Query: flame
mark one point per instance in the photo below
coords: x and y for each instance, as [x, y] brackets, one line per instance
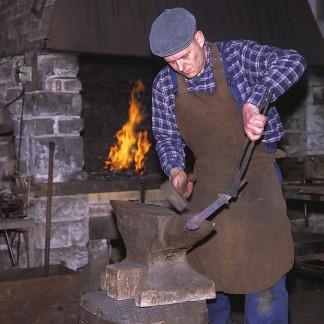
[131, 145]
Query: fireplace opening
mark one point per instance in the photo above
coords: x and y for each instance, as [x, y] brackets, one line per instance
[107, 86]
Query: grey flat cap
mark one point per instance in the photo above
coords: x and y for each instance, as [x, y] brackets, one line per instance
[172, 31]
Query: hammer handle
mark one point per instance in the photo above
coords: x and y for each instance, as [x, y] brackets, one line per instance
[190, 178]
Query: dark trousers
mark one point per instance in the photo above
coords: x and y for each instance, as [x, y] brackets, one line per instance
[269, 306]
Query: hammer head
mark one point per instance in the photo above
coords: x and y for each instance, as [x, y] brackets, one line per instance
[174, 196]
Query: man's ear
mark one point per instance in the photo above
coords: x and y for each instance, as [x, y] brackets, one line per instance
[200, 38]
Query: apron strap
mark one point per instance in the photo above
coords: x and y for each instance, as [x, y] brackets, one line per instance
[182, 87]
[218, 71]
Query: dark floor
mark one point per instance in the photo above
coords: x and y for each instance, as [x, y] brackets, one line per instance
[306, 300]
[306, 303]
[304, 308]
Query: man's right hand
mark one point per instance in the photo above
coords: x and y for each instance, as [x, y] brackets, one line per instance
[180, 180]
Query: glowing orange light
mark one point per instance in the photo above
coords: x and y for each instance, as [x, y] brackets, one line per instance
[131, 145]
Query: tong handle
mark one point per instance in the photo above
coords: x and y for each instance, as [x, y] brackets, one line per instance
[265, 101]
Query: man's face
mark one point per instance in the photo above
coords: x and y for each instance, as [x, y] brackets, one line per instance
[191, 61]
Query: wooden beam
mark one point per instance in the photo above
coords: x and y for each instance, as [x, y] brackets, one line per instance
[95, 186]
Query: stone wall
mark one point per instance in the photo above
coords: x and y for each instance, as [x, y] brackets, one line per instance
[302, 113]
[315, 111]
[50, 113]
[45, 109]
[9, 91]
[21, 32]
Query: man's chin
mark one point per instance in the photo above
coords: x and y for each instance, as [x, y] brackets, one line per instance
[189, 75]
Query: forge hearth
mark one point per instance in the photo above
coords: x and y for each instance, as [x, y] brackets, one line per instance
[107, 84]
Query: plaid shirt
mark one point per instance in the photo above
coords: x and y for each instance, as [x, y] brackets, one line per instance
[249, 67]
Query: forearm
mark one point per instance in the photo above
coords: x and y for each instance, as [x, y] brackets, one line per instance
[171, 154]
[169, 143]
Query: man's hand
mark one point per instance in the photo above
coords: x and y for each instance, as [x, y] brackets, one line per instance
[179, 179]
[253, 122]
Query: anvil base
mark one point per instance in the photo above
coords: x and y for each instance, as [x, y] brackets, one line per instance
[98, 308]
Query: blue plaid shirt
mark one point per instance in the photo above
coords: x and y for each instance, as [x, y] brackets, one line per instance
[250, 68]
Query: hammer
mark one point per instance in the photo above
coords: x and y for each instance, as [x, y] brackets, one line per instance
[175, 195]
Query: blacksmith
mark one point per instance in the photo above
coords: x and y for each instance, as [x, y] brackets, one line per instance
[208, 98]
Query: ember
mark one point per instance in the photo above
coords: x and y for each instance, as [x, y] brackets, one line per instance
[132, 145]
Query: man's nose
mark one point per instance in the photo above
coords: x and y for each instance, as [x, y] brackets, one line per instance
[180, 65]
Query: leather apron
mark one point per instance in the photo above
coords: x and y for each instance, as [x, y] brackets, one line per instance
[252, 246]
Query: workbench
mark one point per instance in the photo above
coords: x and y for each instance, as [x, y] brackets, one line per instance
[309, 246]
[305, 192]
[26, 226]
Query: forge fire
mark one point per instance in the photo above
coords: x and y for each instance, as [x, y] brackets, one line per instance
[132, 144]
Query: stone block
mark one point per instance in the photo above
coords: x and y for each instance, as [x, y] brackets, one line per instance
[98, 259]
[60, 65]
[48, 103]
[294, 151]
[63, 85]
[6, 149]
[8, 69]
[315, 141]
[72, 85]
[295, 138]
[35, 127]
[35, 35]
[60, 235]
[13, 93]
[70, 126]
[318, 95]
[315, 119]
[79, 232]
[296, 122]
[74, 257]
[68, 156]
[2, 168]
[65, 208]
[7, 169]
[23, 167]
[15, 109]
